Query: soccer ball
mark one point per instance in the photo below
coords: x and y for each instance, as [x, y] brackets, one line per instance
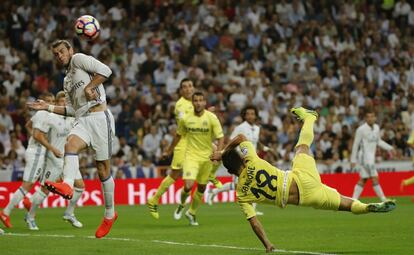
[87, 27]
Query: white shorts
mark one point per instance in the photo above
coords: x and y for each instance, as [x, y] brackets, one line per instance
[97, 130]
[53, 170]
[35, 163]
[367, 171]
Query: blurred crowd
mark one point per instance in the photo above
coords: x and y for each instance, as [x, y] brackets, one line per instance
[334, 56]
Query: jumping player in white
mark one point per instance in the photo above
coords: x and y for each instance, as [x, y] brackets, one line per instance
[34, 157]
[94, 125]
[59, 130]
[367, 137]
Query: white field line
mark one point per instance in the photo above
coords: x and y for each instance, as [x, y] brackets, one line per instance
[169, 243]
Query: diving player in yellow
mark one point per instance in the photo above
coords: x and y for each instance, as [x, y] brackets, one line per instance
[410, 180]
[260, 182]
[200, 128]
[183, 107]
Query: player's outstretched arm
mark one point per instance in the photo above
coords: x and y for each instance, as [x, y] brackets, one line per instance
[260, 233]
[40, 105]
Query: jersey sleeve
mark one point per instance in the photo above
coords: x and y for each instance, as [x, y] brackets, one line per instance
[247, 209]
[40, 121]
[217, 129]
[91, 65]
[247, 150]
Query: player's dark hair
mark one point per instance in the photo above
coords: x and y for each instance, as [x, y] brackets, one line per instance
[182, 82]
[369, 110]
[232, 161]
[197, 94]
[248, 107]
[59, 42]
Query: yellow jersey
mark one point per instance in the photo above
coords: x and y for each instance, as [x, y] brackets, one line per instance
[182, 108]
[200, 131]
[259, 182]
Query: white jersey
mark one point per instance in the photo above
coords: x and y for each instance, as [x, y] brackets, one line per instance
[40, 122]
[365, 144]
[60, 127]
[80, 72]
[251, 132]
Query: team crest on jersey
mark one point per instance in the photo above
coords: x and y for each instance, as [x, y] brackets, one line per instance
[244, 151]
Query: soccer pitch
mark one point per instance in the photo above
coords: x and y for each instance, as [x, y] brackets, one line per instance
[222, 230]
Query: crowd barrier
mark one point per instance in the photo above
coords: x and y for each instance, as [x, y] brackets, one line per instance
[137, 191]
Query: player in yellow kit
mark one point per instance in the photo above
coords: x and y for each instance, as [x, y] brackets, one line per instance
[260, 182]
[200, 128]
[183, 107]
[410, 180]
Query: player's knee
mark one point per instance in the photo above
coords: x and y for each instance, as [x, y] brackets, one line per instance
[175, 174]
[27, 186]
[44, 190]
[201, 188]
[79, 184]
[375, 181]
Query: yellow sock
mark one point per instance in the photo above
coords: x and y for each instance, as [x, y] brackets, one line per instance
[162, 189]
[184, 196]
[359, 208]
[196, 202]
[408, 181]
[306, 133]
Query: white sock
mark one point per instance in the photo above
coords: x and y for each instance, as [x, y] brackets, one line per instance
[15, 199]
[72, 203]
[70, 168]
[36, 200]
[379, 192]
[108, 187]
[226, 187]
[357, 191]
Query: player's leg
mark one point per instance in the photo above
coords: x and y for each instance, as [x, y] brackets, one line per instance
[190, 171]
[357, 207]
[202, 178]
[306, 135]
[102, 142]
[212, 193]
[73, 146]
[69, 215]
[176, 166]
[17, 196]
[108, 188]
[195, 204]
[32, 172]
[359, 187]
[213, 178]
[376, 186]
[36, 200]
[407, 182]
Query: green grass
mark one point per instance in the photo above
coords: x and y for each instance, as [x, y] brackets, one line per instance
[291, 229]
